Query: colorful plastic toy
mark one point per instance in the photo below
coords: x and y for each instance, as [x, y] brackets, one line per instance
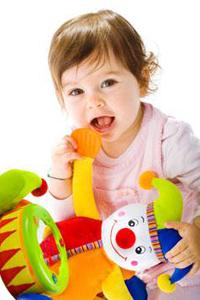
[134, 237]
[22, 265]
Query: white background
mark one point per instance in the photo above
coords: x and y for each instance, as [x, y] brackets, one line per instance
[30, 119]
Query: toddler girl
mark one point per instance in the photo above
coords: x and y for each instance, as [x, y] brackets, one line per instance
[101, 73]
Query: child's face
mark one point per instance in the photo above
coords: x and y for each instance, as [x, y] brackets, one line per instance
[105, 98]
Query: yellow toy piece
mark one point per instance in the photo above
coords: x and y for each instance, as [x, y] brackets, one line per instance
[114, 287]
[83, 197]
[88, 143]
[165, 284]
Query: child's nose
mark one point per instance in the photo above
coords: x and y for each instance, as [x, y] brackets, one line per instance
[125, 238]
[95, 101]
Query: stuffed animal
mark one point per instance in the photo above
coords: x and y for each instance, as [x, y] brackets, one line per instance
[134, 237]
[22, 265]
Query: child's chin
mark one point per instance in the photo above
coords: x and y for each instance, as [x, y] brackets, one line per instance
[108, 136]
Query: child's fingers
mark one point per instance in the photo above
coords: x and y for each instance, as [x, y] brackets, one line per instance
[195, 269]
[71, 156]
[180, 226]
[181, 256]
[178, 248]
[185, 263]
[67, 144]
[69, 140]
[61, 148]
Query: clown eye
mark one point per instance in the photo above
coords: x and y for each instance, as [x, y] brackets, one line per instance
[133, 222]
[140, 250]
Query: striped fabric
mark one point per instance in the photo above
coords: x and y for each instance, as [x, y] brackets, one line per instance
[86, 247]
[89, 246]
[153, 232]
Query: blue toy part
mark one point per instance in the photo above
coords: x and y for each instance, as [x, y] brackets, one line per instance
[33, 296]
[137, 288]
[168, 239]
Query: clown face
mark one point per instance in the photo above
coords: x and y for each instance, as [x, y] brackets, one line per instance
[126, 238]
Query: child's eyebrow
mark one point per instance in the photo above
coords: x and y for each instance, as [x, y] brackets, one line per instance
[65, 84]
[108, 73]
[113, 73]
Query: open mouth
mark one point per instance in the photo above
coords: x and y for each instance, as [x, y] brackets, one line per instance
[102, 124]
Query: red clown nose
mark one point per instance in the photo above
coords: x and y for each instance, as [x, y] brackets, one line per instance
[125, 238]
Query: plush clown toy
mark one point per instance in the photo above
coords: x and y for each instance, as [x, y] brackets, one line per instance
[135, 237]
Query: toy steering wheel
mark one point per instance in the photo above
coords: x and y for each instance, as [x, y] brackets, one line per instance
[34, 273]
[51, 282]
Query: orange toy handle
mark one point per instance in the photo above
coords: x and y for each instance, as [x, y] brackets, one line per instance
[88, 141]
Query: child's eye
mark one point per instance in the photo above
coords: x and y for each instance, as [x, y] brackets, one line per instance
[75, 92]
[108, 82]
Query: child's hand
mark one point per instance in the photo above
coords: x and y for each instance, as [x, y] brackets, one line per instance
[62, 157]
[187, 250]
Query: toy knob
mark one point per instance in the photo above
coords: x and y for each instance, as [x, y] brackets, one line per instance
[165, 284]
[88, 141]
[40, 190]
[146, 178]
[125, 238]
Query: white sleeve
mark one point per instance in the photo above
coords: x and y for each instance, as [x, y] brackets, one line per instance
[181, 155]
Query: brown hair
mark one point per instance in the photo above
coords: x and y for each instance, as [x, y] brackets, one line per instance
[98, 33]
